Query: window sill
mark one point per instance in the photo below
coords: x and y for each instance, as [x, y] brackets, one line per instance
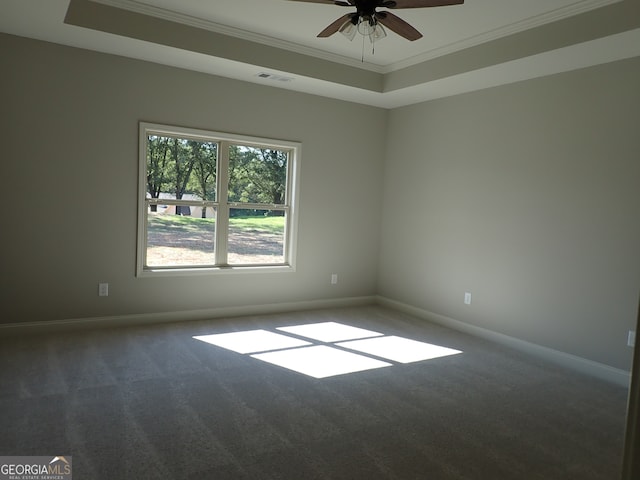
[189, 272]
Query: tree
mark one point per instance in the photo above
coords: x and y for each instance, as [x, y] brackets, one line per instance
[183, 162]
[157, 166]
[205, 155]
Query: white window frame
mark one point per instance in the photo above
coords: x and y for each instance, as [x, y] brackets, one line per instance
[221, 204]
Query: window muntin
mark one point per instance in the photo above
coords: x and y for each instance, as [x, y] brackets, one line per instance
[211, 202]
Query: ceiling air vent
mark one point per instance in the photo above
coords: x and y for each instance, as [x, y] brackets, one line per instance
[273, 77]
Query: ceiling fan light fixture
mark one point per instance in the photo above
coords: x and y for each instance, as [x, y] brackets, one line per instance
[366, 27]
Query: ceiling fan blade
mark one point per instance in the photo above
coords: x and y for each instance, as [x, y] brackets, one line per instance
[314, 1]
[335, 26]
[396, 24]
[424, 3]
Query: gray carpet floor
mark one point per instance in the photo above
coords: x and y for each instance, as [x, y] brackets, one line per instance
[154, 403]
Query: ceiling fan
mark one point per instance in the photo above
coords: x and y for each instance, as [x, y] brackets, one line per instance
[368, 21]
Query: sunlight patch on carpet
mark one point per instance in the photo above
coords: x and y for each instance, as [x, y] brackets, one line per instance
[252, 341]
[321, 361]
[329, 331]
[398, 349]
[327, 349]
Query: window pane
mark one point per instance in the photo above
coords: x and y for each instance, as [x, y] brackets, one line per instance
[257, 175]
[180, 240]
[256, 237]
[180, 168]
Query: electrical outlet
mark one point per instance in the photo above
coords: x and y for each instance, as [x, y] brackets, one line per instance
[334, 278]
[103, 289]
[467, 298]
[631, 338]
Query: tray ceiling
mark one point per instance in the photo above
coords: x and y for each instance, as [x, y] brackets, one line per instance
[465, 47]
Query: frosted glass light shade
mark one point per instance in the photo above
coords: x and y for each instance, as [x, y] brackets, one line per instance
[375, 32]
[378, 33]
[349, 30]
[365, 27]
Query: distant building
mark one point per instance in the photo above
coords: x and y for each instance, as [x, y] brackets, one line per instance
[187, 211]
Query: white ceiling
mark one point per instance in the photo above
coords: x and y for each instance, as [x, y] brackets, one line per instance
[407, 72]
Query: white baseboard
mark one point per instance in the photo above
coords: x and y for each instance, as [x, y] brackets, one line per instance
[583, 365]
[178, 316]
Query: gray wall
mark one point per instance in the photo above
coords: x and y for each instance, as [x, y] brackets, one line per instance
[527, 196]
[69, 149]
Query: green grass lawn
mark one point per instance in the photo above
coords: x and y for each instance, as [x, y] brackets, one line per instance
[273, 225]
[194, 225]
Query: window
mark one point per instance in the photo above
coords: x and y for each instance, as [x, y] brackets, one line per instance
[214, 202]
